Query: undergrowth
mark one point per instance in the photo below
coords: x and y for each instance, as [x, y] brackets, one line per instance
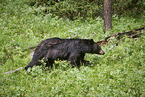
[120, 72]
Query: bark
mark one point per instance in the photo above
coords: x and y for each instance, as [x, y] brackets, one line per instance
[107, 15]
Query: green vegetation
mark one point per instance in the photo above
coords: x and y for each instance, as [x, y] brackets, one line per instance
[120, 72]
[74, 9]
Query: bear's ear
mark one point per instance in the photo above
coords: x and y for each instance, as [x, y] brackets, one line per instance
[91, 41]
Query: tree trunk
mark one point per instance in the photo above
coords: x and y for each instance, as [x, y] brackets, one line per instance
[107, 15]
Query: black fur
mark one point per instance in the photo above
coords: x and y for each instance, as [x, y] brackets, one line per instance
[72, 50]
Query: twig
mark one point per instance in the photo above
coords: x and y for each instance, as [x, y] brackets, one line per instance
[14, 70]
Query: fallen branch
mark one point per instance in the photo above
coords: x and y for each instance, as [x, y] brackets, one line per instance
[16, 70]
[131, 34]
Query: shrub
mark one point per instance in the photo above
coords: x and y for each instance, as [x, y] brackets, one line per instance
[74, 9]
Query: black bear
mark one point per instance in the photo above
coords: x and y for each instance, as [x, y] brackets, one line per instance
[72, 50]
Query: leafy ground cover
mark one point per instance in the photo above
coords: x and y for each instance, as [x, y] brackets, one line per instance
[120, 72]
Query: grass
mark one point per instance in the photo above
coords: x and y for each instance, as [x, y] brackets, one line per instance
[120, 72]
